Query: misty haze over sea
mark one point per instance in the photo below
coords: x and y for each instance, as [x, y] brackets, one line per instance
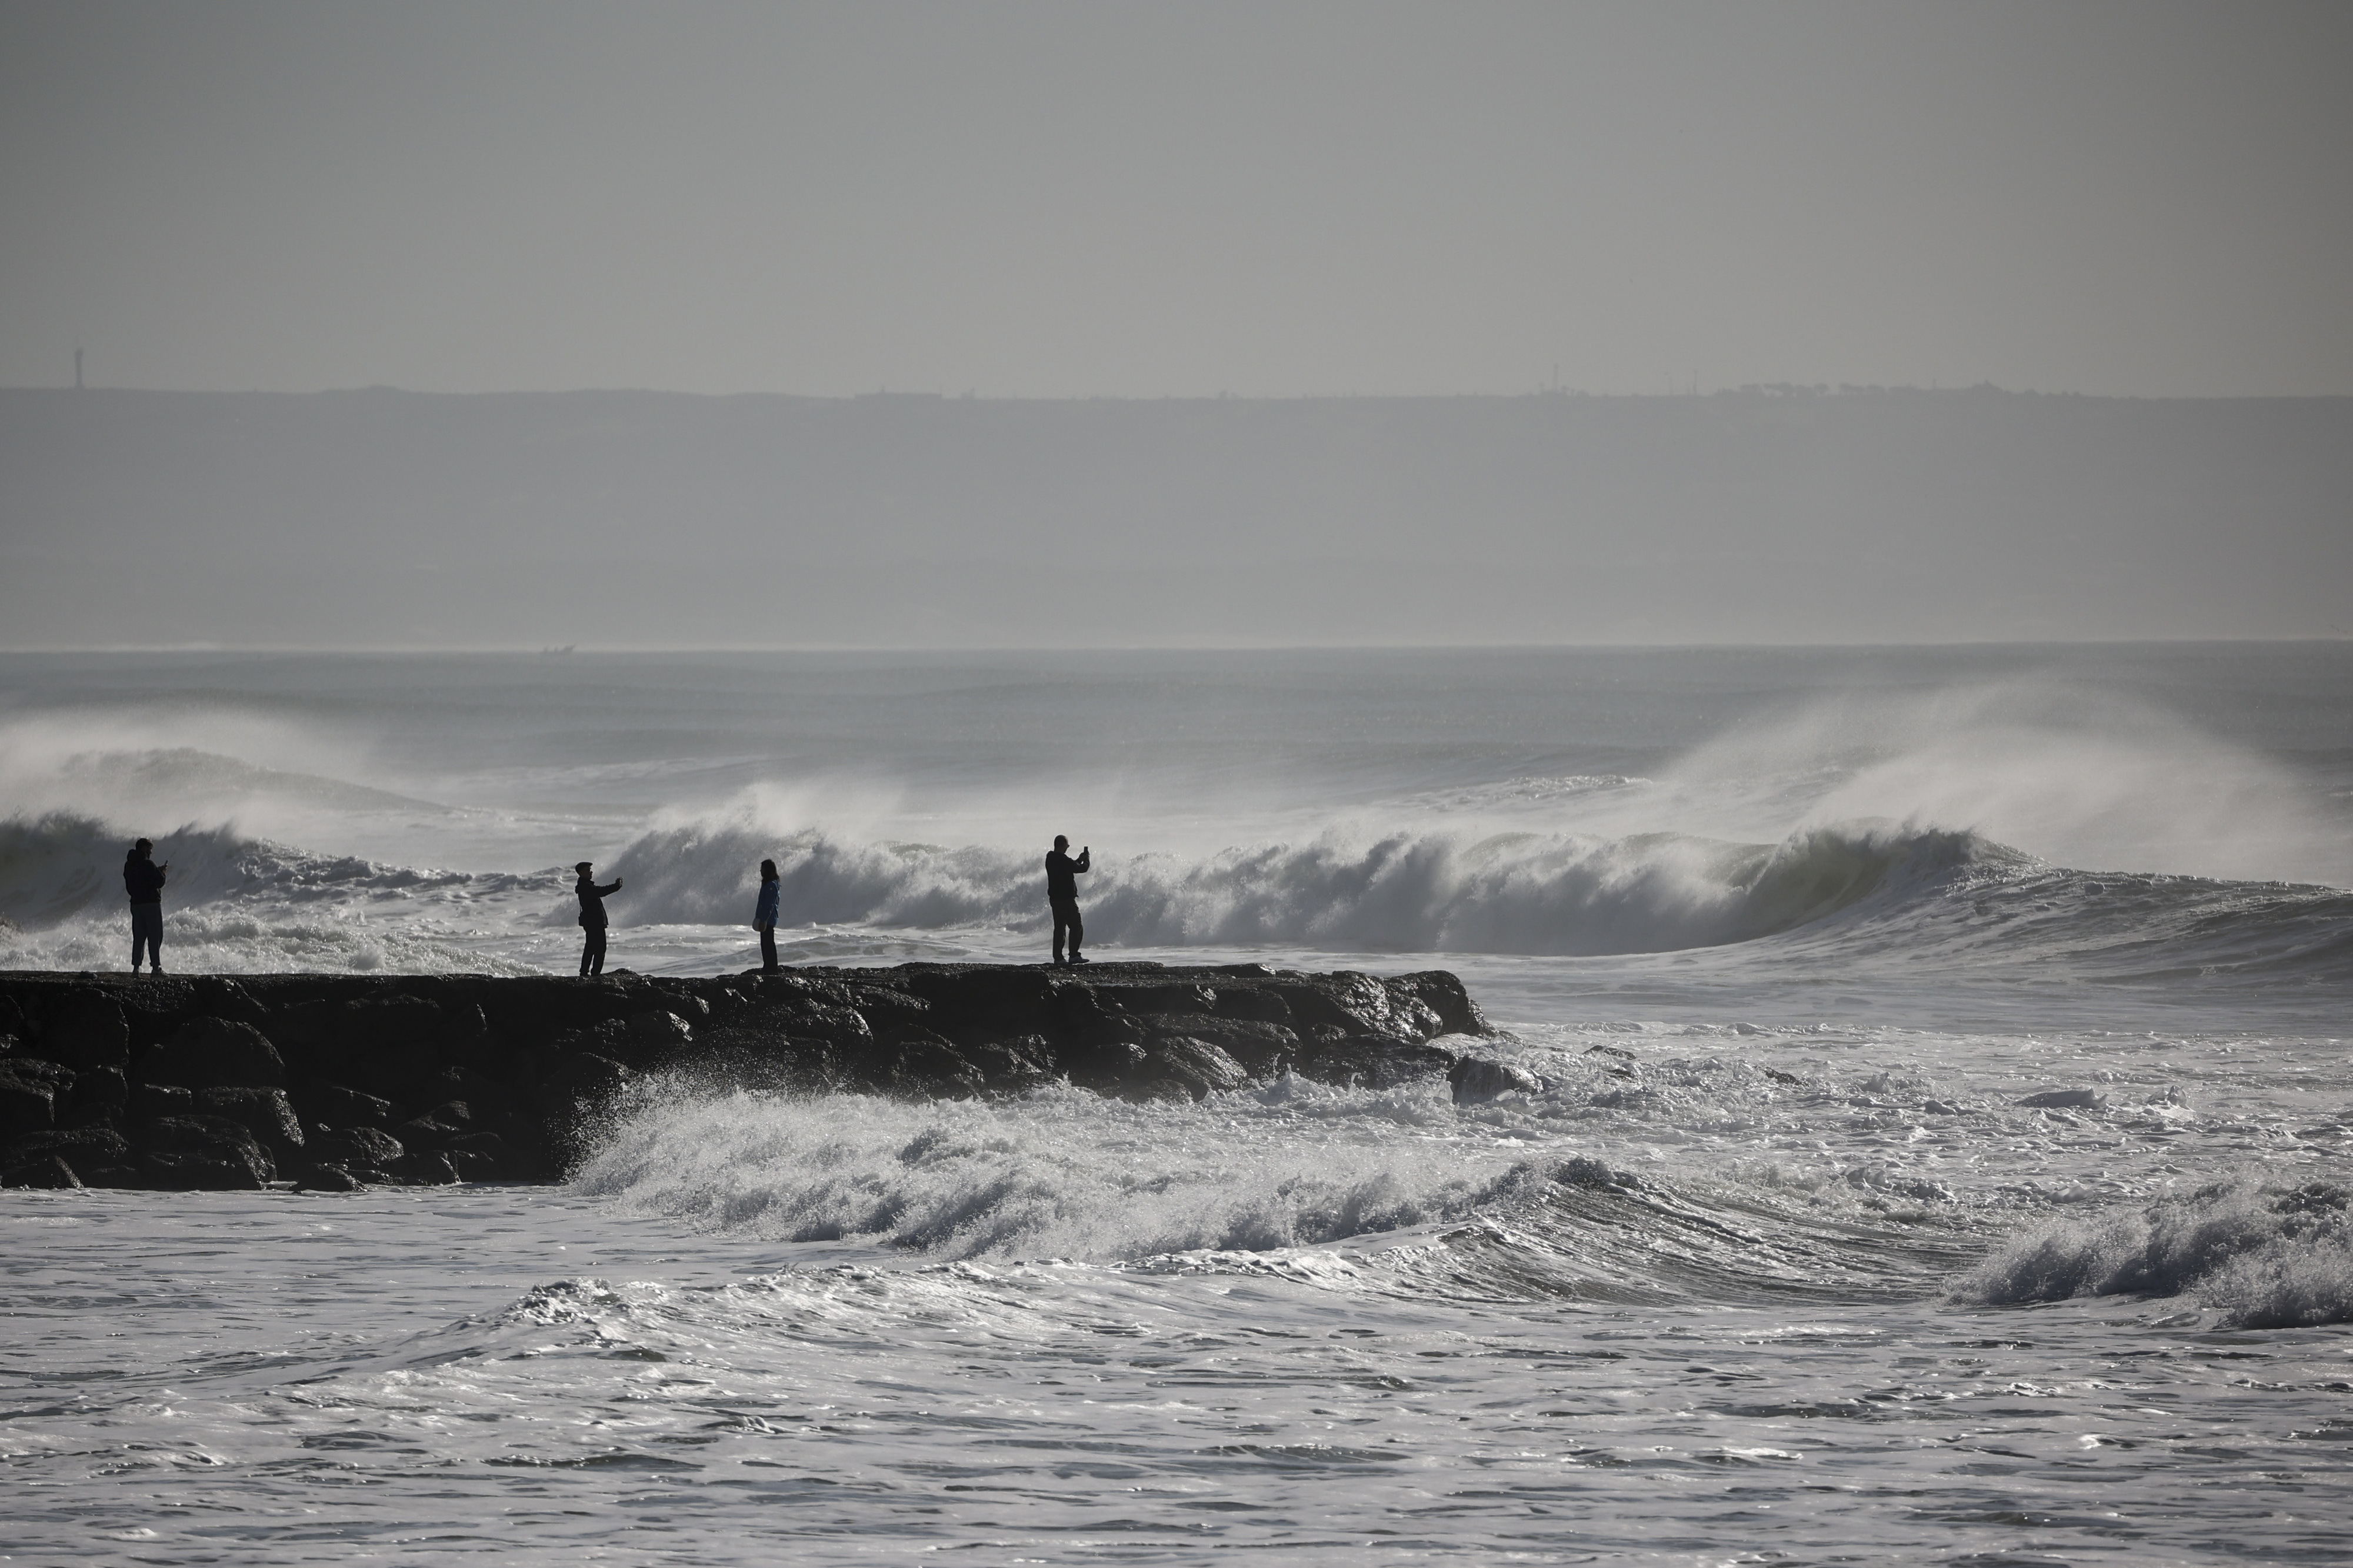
[1791, 516]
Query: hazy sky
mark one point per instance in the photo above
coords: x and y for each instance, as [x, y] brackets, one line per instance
[1045, 200]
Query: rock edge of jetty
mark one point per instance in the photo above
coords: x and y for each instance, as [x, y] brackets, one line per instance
[337, 1082]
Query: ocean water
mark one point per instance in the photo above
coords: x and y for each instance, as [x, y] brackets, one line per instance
[1939, 1153]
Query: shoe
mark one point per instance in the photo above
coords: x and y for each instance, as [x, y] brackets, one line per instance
[1077, 958]
[158, 972]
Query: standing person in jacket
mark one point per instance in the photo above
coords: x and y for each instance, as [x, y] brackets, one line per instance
[143, 880]
[1062, 893]
[764, 914]
[591, 918]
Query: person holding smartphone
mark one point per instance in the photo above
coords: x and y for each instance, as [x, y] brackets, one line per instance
[1062, 893]
[143, 880]
[591, 918]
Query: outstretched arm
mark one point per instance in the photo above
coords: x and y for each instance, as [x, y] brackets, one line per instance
[1082, 864]
[608, 891]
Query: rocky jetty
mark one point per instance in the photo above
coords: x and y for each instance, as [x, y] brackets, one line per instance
[341, 1082]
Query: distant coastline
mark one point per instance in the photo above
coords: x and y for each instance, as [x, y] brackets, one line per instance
[384, 519]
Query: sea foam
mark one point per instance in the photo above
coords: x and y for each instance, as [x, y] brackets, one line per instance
[2261, 1255]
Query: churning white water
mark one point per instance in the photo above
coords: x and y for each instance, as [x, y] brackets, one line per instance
[1938, 1151]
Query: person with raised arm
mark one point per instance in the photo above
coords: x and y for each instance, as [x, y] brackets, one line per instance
[1062, 893]
[591, 918]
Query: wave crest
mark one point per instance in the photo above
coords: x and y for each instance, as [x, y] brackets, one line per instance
[1551, 894]
[2265, 1257]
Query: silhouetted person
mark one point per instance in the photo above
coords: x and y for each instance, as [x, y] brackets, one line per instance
[591, 918]
[1063, 892]
[764, 914]
[143, 880]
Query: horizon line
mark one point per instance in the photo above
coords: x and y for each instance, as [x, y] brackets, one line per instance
[547, 651]
[1745, 389]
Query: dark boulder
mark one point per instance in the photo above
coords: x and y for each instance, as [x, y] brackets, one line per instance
[922, 1064]
[1372, 1061]
[399, 1070]
[85, 1147]
[437, 1126]
[264, 1112]
[387, 1045]
[333, 1105]
[311, 1030]
[214, 1053]
[155, 1101]
[330, 1179]
[1474, 1078]
[1360, 1004]
[199, 1171]
[218, 997]
[1107, 1068]
[1087, 1019]
[582, 1082]
[353, 1147]
[842, 1027]
[486, 1094]
[1198, 1068]
[487, 1157]
[99, 1092]
[29, 1091]
[748, 1056]
[1022, 1062]
[86, 1029]
[984, 998]
[426, 1167]
[212, 1138]
[1253, 1004]
[658, 1029]
[1263, 1049]
[1444, 995]
[2068, 1099]
[1147, 1000]
[47, 1171]
[886, 1008]
[377, 1023]
[575, 1099]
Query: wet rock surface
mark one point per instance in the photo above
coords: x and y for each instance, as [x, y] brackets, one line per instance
[334, 1082]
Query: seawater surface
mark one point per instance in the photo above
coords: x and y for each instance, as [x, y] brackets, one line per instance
[1938, 1150]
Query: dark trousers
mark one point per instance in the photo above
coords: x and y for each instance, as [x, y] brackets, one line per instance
[592, 950]
[147, 934]
[1066, 918]
[767, 947]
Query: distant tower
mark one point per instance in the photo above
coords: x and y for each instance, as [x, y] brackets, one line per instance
[77, 369]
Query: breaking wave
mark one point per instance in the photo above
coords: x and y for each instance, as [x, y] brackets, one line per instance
[1852, 893]
[1240, 1183]
[2263, 1255]
[1426, 892]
